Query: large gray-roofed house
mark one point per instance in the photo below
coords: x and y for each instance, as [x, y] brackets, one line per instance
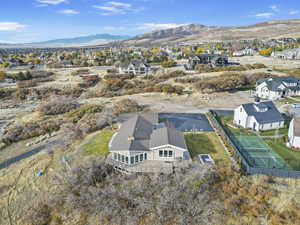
[141, 138]
[136, 67]
[258, 116]
[274, 88]
[211, 59]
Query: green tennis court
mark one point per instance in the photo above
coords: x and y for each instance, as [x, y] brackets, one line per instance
[258, 153]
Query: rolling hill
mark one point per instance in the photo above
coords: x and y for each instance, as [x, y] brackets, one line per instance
[199, 33]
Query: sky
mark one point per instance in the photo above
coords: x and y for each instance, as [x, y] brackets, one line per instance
[24, 21]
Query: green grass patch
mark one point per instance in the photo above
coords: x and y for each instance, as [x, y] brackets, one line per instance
[206, 143]
[289, 101]
[291, 157]
[99, 143]
[228, 119]
[282, 131]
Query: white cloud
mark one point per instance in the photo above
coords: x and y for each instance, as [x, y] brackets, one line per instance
[120, 4]
[155, 26]
[264, 15]
[52, 2]
[275, 8]
[69, 12]
[294, 12]
[10, 26]
[116, 8]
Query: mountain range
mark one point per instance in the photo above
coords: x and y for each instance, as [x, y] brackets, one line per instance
[90, 40]
[201, 33]
[192, 33]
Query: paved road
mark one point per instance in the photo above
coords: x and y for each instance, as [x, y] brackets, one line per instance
[28, 154]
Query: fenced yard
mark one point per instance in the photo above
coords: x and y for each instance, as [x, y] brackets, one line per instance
[206, 143]
[259, 155]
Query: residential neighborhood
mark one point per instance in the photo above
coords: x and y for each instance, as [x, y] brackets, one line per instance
[149, 112]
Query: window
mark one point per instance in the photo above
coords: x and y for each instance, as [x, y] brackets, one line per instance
[145, 156]
[123, 158]
[132, 160]
[241, 109]
[165, 153]
[136, 159]
[160, 153]
[119, 157]
[115, 156]
[141, 157]
[170, 153]
[127, 160]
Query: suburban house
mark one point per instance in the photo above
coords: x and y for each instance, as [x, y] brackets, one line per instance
[277, 87]
[294, 133]
[244, 52]
[136, 67]
[258, 116]
[288, 54]
[142, 139]
[211, 59]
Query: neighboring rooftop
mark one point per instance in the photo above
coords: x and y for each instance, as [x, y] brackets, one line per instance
[274, 83]
[267, 116]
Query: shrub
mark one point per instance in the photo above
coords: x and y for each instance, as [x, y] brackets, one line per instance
[226, 82]
[26, 84]
[126, 106]
[76, 114]
[168, 64]
[6, 92]
[58, 106]
[29, 130]
[93, 122]
[80, 71]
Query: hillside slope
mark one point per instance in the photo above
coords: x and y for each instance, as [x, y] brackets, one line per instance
[196, 33]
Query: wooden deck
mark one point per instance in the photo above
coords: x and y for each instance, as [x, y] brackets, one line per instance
[150, 166]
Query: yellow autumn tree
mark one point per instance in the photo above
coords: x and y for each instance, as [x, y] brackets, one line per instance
[199, 50]
[265, 52]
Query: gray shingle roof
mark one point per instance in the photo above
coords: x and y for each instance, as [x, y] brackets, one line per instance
[274, 83]
[140, 133]
[167, 136]
[135, 133]
[135, 63]
[271, 115]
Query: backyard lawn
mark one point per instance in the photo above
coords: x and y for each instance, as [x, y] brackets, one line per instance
[228, 119]
[206, 143]
[282, 131]
[99, 143]
[291, 157]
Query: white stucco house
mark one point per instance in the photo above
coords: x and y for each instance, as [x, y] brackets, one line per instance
[294, 133]
[275, 88]
[258, 116]
[142, 138]
[288, 54]
[136, 67]
[244, 52]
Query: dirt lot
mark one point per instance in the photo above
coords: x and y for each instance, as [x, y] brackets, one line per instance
[268, 61]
